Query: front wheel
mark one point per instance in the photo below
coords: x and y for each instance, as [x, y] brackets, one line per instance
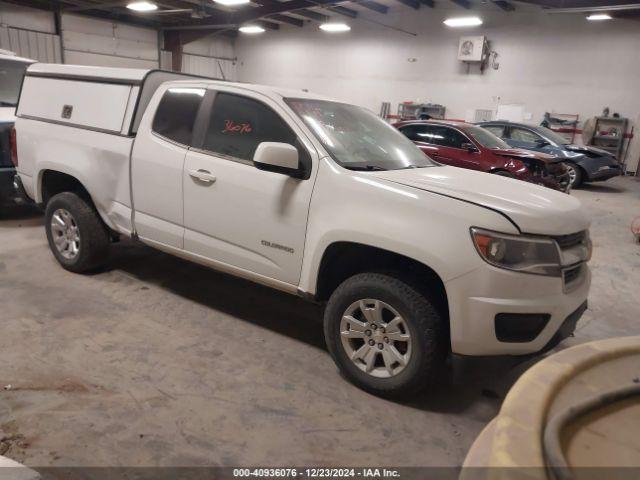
[77, 237]
[385, 337]
[575, 175]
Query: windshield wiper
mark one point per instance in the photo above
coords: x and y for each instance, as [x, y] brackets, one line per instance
[366, 168]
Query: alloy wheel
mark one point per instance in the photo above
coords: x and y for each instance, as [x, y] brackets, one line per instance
[376, 338]
[66, 234]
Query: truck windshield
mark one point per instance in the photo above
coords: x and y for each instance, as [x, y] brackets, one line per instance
[356, 138]
[11, 73]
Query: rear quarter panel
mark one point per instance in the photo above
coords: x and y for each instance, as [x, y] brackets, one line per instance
[99, 161]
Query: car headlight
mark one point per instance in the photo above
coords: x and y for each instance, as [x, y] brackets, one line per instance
[521, 253]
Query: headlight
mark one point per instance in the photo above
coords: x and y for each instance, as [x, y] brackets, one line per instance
[518, 252]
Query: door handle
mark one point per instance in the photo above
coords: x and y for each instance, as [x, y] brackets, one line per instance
[202, 175]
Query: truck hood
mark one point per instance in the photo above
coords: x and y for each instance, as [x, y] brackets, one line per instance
[525, 154]
[534, 209]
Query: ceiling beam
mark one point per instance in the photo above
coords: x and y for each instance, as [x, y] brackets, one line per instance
[286, 19]
[428, 3]
[504, 5]
[347, 12]
[415, 4]
[375, 6]
[462, 3]
[318, 17]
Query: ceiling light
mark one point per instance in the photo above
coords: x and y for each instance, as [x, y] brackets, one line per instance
[231, 3]
[463, 22]
[142, 6]
[251, 29]
[335, 27]
[599, 16]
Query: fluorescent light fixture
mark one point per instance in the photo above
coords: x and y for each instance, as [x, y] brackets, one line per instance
[335, 27]
[231, 3]
[252, 29]
[599, 16]
[142, 6]
[463, 22]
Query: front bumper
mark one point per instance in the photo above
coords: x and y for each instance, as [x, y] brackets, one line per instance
[605, 173]
[477, 298]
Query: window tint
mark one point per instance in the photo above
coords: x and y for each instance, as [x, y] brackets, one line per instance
[176, 114]
[522, 135]
[431, 134]
[238, 125]
[453, 138]
[497, 130]
[415, 133]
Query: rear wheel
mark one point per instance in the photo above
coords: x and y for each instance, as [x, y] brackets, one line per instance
[385, 337]
[77, 237]
[575, 175]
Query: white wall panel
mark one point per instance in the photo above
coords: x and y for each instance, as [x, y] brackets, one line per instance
[90, 41]
[43, 47]
[209, 67]
[26, 18]
[212, 56]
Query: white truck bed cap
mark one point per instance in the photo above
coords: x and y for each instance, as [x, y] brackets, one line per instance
[105, 74]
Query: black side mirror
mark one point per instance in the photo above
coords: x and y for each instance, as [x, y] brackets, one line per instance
[469, 147]
[542, 143]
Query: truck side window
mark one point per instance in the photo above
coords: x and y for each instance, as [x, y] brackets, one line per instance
[239, 124]
[176, 114]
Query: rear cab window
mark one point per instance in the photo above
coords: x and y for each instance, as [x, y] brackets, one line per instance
[176, 114]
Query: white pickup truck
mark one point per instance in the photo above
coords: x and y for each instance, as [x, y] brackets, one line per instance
[311, 196]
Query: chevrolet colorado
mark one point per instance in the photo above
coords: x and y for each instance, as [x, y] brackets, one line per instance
[310, 196]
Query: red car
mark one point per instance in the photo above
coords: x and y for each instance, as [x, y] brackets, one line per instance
[468, 146]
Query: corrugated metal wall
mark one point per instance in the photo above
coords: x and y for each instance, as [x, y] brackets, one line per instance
[211, 56]
[209, 66]
[44, 47]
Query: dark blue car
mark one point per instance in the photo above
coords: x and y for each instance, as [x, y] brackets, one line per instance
[584, 164]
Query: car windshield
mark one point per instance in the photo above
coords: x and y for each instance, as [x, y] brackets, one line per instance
[485, 137]
[553, 136]
[356, 138]
[11, 73]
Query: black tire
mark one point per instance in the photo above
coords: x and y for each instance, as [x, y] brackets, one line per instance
[579, 174]
[502, 173]
[429, 345]
[94, 236]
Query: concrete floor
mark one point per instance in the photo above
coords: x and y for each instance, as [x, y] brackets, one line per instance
[156, 361]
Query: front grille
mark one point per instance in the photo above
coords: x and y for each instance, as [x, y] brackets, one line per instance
[571, 240]
[572, 274]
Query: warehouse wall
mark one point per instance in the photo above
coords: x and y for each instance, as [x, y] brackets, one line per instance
[85, 41]
[557, 63]
[89, 41]
[212, 56]
[29, 33]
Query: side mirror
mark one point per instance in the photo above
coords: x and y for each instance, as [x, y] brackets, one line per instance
[469, 147]
[277, 157]
[542, 143]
